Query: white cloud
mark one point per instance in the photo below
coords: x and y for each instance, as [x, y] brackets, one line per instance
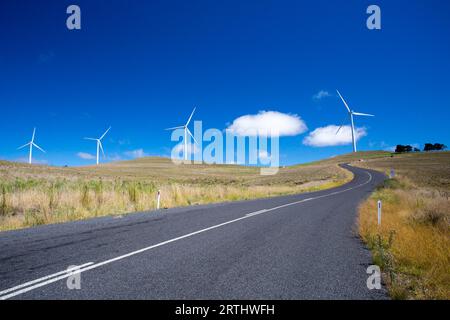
[321, 94]
[138, 153]
[86, 156]
[326, 136]
[268, 122]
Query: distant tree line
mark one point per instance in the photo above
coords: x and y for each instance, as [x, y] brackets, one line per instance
[434, 147]
[401, 148]
[428, 147]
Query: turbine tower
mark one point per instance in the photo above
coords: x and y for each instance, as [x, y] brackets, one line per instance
[99, 144]
[31, 144]
[351, 114]
[186, 132]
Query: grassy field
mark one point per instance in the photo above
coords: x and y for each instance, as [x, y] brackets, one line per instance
[412, 245]
[32, 195]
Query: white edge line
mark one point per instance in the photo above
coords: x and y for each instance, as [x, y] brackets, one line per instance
[90, 266]
[45, 278]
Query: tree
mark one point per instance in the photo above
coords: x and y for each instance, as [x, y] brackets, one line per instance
[401, 148]
[434, 147]
[428, 147]
[439, 146]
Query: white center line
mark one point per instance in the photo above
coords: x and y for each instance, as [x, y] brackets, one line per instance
[28, 286]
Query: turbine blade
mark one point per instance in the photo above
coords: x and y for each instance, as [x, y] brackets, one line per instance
[34, 132]
[101, 148]
[190, 117]
[23, 146]
[342, 124]
[34, 144]
[192, 136]
[363, 114]
[104, 134]
[174, 128]
[345, 103]
[90, 139]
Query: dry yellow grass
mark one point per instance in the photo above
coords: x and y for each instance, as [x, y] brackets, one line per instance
[412, 246]
[33, 195]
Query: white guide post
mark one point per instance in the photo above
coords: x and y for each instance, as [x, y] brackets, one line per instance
[158, 198]
[379, 212]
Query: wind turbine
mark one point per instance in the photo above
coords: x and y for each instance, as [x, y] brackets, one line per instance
[99, 143]
[352, 113]
[186, 132]
[31, 144]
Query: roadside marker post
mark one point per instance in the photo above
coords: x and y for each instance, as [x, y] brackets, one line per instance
[379, 212]
[158, 198]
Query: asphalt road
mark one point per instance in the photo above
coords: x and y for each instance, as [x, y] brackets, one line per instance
[292, 247]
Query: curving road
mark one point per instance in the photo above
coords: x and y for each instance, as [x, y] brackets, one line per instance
[302, 246]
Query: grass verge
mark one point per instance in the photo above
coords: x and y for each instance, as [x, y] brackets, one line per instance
[412, 245]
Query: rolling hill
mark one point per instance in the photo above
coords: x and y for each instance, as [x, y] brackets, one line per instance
[37, 194]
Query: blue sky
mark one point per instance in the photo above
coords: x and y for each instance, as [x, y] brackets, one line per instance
[140, 66]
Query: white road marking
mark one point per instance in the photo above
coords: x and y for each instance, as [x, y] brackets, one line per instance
[29, 283]
[255, 213]
[89, 266]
